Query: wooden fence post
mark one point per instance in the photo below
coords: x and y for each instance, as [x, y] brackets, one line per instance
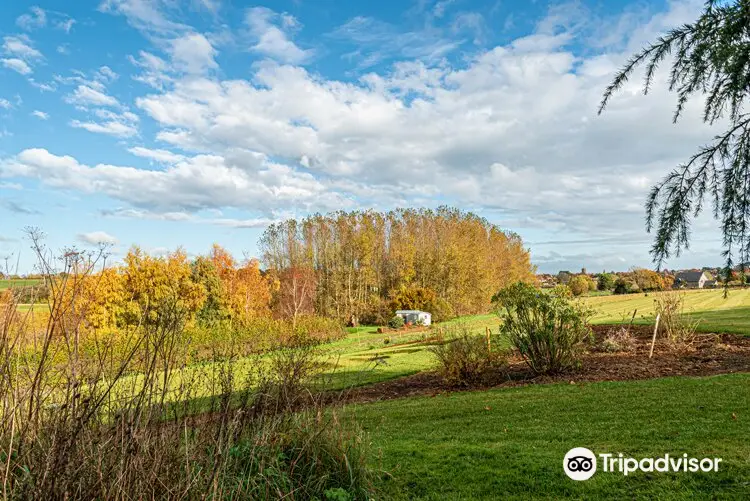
[487, 333]
[653, 340]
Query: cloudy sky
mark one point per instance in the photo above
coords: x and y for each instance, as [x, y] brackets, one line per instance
[186, 122]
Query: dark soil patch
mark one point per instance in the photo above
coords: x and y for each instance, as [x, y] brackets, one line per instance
[707, 355]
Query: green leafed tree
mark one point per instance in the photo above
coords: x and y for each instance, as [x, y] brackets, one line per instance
[214, 309]
[606, 281]
[708, 58]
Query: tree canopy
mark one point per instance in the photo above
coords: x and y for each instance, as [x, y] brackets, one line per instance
[360, 261]
[709, 57]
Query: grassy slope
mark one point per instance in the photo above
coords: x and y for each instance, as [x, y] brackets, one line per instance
[453, 447]
[366, 357]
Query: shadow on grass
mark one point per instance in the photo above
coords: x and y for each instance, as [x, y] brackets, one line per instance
[730, 320]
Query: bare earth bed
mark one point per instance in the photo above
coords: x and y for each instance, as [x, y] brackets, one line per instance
[708, 355]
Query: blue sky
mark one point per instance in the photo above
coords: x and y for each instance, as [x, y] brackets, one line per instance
[167, 123]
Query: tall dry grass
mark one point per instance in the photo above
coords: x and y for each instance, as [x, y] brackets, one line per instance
[128, 421]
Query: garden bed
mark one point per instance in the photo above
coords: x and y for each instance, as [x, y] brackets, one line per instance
[709, 354]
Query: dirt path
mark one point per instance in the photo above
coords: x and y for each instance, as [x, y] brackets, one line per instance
[709, 354]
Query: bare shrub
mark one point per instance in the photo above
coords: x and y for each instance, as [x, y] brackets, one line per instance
[286, 385]
[618, 339]
[464, 358]
[675, 325]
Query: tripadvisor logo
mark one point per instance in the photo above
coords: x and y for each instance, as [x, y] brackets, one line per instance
[580, 464]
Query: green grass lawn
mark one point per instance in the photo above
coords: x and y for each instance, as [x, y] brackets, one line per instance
[714, 312]
[7, 283]
[510, 443]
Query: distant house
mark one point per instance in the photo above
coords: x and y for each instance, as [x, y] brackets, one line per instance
[546, 280]
[415, 317]
[690, 279]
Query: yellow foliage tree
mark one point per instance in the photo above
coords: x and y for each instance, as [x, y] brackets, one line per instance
[154, 283]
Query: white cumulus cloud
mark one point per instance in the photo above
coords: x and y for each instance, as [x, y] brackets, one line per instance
[270, 32]
[17, 65]
[193, 53]
[36, 18]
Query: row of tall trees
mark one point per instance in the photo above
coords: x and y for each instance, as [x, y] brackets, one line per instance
[353, 264]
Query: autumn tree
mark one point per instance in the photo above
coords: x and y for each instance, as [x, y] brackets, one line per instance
[296, 293]
[154, 285]
[621, 286]
[579, 285]
[251, 292]
[92, 298]
[246, 292]
[361, 258]
[215, 308]
[647, 280]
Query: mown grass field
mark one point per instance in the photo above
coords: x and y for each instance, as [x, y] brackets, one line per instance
[510, 443]
[710, 308]
[366, 357]
[7, 283]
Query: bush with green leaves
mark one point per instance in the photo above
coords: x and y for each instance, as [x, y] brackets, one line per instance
[547, 329]
[396, 322]
[466, 359]
[606, 281]
[621, 286]
[561, 290]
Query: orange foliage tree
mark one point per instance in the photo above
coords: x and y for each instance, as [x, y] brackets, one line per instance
[247, 291]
